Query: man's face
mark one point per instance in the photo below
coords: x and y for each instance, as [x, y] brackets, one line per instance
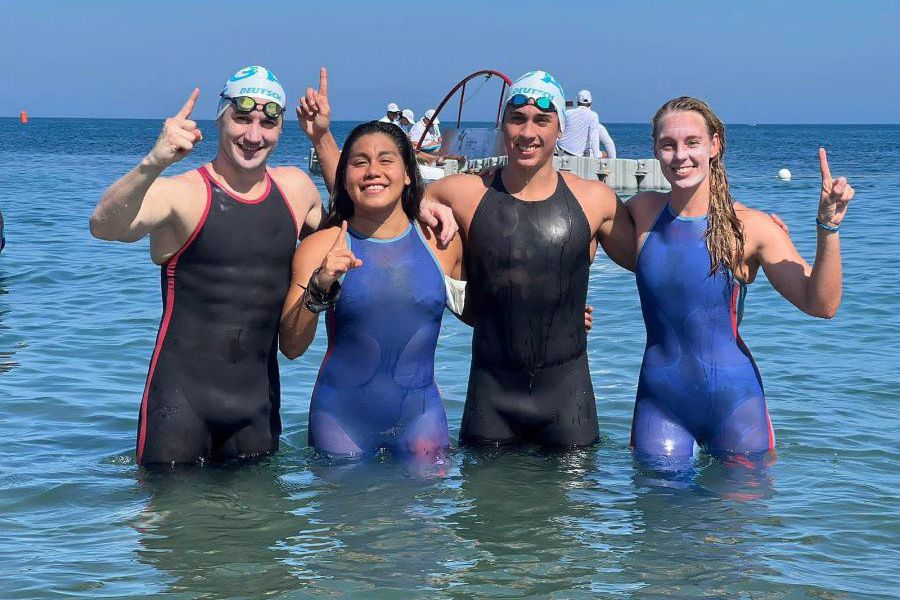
[530, 134]
[393, 116]
[247, 139]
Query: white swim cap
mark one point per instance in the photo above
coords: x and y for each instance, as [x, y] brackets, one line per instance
[584, 97]
[255, 81]
[540, 84]
[392, 107]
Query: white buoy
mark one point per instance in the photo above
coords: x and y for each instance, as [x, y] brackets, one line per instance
[784, 175]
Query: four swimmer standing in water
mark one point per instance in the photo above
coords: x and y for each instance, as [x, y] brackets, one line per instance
[528, 236]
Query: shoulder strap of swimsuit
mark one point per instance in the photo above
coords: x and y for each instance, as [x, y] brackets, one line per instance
[497, 182]
[270, 185]
[562, 187]
[663, 212]
[205, 175]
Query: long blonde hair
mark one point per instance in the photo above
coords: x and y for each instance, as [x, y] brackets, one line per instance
[724, 233]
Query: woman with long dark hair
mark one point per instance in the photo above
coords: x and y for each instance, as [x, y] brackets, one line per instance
[698, 250]
[379, 276]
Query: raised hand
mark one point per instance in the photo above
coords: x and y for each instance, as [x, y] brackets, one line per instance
[337, 262]
[439, 217]
[313, 110]
[178, 137]
[836, 194]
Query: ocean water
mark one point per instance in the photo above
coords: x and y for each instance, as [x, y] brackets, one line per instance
[78, 318]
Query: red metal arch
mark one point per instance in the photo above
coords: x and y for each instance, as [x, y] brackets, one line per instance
[462, 85]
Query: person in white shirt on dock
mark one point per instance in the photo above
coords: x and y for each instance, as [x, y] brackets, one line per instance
[432, 139]
[393, 114]
[407, 118]
[584, 132]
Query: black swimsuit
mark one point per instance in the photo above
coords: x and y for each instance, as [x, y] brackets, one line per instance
[212, 390]
[527, 264]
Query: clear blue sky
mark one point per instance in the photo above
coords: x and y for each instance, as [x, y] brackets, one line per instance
[800, 61]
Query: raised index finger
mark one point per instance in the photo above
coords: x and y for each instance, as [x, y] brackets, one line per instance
[341, 241]
[323, 81]
[823, 165]
[185, 111]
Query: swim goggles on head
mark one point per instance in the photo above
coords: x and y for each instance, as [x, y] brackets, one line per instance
[246, 105]
[544, 104]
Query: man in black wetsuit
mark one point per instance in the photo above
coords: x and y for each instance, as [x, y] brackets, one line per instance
[530, 234]
[224, 236]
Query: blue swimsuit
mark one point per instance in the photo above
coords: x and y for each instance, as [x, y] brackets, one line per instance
[698, 381]
[376, 387]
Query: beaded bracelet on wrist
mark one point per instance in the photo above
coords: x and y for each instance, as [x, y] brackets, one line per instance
[827, 227]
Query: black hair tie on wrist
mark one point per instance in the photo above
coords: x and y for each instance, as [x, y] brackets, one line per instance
[317, 299]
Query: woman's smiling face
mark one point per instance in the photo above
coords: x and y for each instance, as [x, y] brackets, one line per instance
[685, 148]
[376, 174]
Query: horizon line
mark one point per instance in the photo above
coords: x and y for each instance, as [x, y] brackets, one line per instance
[756, 124]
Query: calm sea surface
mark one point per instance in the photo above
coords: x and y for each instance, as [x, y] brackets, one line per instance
[78, 319]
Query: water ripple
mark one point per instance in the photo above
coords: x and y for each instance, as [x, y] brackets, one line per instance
[78, 318]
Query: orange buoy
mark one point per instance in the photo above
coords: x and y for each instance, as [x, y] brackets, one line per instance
[23, 116]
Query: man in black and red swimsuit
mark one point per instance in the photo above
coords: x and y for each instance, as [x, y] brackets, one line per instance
[223, 235]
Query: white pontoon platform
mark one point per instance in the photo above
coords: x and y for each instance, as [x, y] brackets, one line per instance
[472, 149]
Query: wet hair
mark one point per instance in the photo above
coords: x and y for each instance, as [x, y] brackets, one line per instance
[724, 233]
[341, 205]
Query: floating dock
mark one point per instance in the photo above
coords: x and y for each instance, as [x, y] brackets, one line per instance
[618, 173]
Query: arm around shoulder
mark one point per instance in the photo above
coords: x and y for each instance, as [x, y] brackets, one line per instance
[450, 259]
[616, 231]
[452, 189]
[449, 256]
